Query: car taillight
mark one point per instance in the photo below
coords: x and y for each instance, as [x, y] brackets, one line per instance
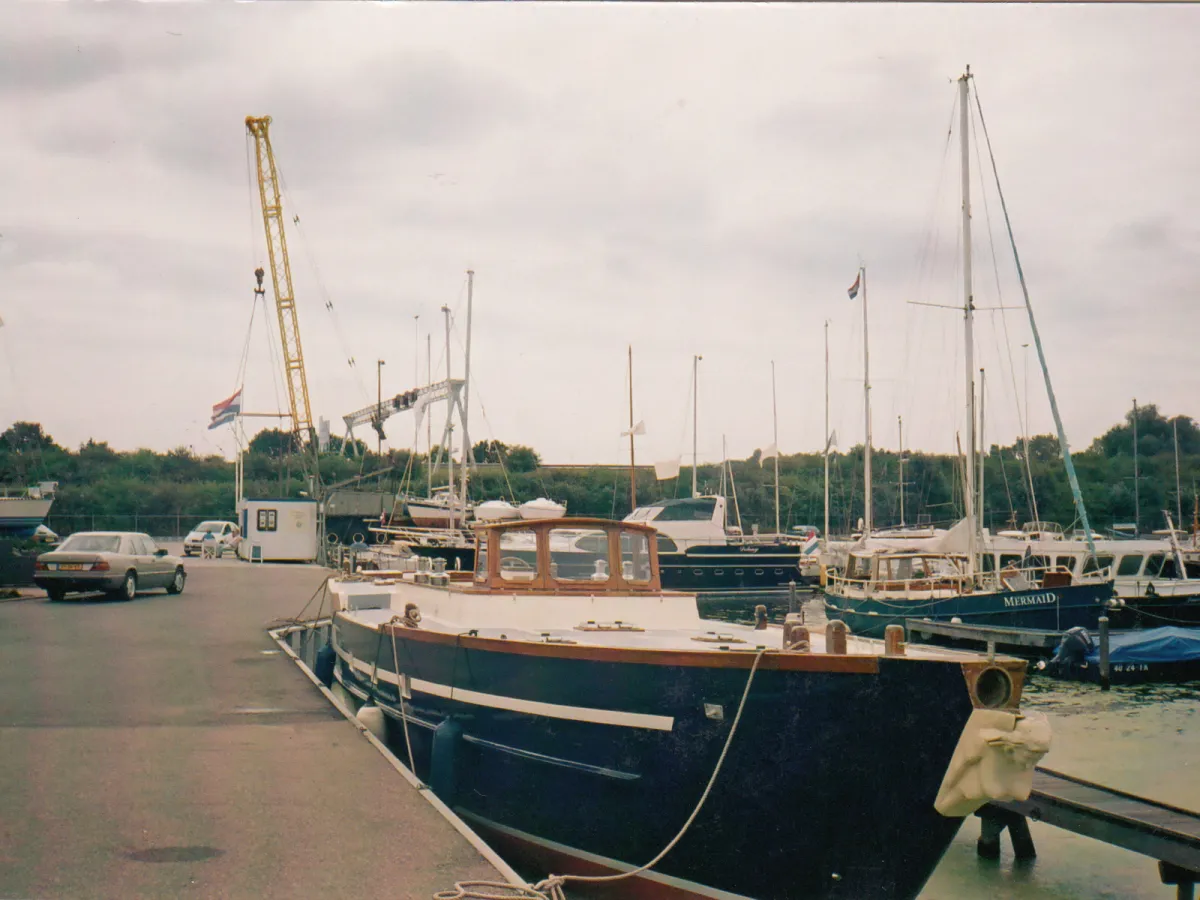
[39, 566]
[101, 566]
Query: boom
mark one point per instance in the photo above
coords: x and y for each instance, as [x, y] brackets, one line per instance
[281, 279]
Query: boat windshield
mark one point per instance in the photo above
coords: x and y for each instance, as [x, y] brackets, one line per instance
[691, 510]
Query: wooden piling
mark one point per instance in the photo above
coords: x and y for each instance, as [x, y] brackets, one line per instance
[835, 636]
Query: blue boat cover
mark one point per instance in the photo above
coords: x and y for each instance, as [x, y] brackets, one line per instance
[1154, 645]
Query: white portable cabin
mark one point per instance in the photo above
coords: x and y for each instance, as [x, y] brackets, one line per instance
[278, 530]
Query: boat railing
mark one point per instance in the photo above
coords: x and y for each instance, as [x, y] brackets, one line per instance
[1009, 579]
[437, 537]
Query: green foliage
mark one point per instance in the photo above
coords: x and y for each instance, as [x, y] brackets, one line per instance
[97, 481]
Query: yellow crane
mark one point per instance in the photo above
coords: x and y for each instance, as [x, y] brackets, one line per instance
[281, 278]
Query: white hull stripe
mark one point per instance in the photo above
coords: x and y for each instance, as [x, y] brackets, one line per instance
[682, 884]
[532, 707]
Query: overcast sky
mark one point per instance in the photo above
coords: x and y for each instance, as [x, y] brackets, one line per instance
[686, 179]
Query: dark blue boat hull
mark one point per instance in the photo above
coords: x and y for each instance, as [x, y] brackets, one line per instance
[1052, 609]
[827, 791]
[734, 567]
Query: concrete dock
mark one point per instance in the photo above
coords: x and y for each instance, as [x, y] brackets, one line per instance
[166, 747]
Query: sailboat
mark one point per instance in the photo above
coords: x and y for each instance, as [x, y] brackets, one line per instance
[698, 551]
[889, 582]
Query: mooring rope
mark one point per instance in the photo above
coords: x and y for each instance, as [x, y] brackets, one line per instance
[400, 695]
[551, 888]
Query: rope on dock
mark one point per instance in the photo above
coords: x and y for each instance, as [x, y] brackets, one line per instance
[552, 888]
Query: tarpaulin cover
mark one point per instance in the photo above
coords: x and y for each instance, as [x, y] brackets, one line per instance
[1154, 645]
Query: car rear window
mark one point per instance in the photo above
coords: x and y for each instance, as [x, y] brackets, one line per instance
[91, 543]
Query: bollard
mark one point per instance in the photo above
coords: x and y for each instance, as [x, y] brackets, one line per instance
[793, 602]
[893, 640]
[760, 617]
[835, 636]
[1104, 671]
[795, 634]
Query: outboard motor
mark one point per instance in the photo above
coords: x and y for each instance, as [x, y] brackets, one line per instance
[1073, 650]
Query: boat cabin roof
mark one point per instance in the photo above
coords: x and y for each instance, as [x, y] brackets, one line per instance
[567, 555]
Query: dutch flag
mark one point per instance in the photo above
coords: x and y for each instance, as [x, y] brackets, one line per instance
[853, 292]
[226, 411]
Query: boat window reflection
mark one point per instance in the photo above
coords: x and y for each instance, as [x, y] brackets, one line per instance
[578, 555]
[518, 555]
[635, 557]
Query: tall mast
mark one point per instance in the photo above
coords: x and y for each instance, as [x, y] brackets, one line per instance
[982, 444]
[632, 469]
[695, 408]
[968, 322]
[825, 533]
[724, 469]
[867, 518]
[775, 437]
[429, 419]
[1178, 494]
[449, 420]
[1137, 499]
[468, 455]
[900, 426]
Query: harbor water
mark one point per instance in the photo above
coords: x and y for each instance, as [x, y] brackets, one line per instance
[1141, 739]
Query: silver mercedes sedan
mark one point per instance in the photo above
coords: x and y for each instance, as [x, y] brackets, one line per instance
[120, 563]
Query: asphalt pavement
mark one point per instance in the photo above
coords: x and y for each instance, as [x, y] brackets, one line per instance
[164, 747]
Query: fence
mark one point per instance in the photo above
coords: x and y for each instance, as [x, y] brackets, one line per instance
[162, 527]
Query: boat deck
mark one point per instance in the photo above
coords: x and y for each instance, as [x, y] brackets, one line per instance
[167, 746]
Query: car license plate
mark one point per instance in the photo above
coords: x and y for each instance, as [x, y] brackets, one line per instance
[70, 567]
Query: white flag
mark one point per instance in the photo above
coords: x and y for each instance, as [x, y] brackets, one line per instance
[832, 442]
[639, 428]
[771, 451]
[667, 469]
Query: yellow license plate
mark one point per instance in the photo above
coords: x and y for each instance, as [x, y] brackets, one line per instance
[70, 567]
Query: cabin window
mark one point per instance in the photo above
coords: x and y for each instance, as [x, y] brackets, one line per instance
[579, 556]
[687, 511]
[481, 559]
[268, 519]
[518, 554]
[1066, 562]
[1129, 565]
[1097, 563]
[1036, 562]
[859, 567]
[1009, 559]
[635, 557]
[666, 545]
[1154, 564]
[987, 562]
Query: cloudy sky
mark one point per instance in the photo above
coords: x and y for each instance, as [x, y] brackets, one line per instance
[686, 179]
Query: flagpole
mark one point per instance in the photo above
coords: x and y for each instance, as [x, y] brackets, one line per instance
[775, 436]
[826, 532]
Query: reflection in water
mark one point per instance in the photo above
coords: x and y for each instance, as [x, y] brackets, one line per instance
[1144, 739]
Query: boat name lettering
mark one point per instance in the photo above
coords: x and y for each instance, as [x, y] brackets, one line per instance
[1044, 598]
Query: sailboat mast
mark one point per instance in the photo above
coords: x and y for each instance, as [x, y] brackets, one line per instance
[825, 533]
[968, 323]
[1137, 498]
[429, 419]
[468, 455]
[900, 427]
[724, 469]
[632, 470]
[695, 408]
[449, 419]
[775, 437]
[1178, 493]
[867, 503]
[979, 506]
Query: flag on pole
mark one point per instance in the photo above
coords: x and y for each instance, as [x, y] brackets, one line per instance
[226, 411]
[853, 292]
[832, 442]
[771, 451]
[638, 429]
[667, 468]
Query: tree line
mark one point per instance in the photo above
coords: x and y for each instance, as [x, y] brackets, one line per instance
[97, 480]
